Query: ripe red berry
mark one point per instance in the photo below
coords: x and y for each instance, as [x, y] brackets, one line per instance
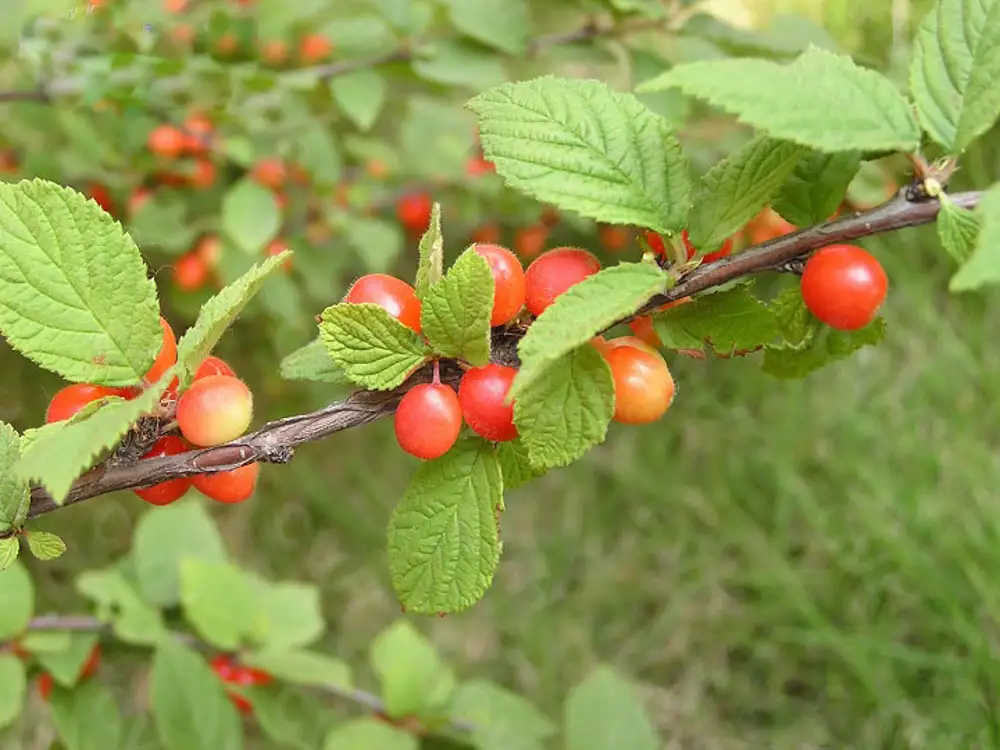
[101, 197]
[844, 286]
[393, 295]
[213, 366]
[644, 387]
[139, 198]
[488, 233]
[197, 134]
[656, 244]
[173, 489]
[508, 282]
[228, 486]
[277, 247]
[190, 272]
[209, 249]
[202, 174]
[478, 165]
[530, 241]
[481, 395]
[768, 225]
[314, 48]
[552, 273]
[643, 329]
[613, 238]
[235, 674]
[73, 398]
[89, 668]
[270, 173]
[214, 410]
[722, 252]
[167, 357]
[428, 420]
[414, 211]
[166, 141]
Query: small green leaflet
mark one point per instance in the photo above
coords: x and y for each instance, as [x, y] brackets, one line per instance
[299, 667]
[502, 719]
[290, 615]
[367, 734]
[15, 494]
[515, 465]
[957, 229]
[455, 314]
[291, 718]
[360, 94]
[581, 313]
[10, 548]
[12, 686]
[218, 314]
[312, 362]
[585, 148]
[604, 711]
[816, 187]
[824, 347]
[415, 679]
[731, 321]
[317, 149]
[983, 265]
[566, 411]
[430, 267]
[74, 297]
[58, 456]
[737, 188]
[45, 545]
[377, 242]
[133, 620]
[66, 665]
[501, 24]
[75, 715]
[955, 71]
[374, 349]
[457, 62]
[444, 544]
[821, 100]
[250, 215]
[219, 601]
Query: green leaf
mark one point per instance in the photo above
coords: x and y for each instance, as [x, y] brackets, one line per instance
[219, 313]
[66, 665]
[74, 296]
[316, 148]
[443, 540]
[957, 229]
[17, 600]
[821, 100]
[566, 411]
[15, 493]
[415, 680]
[292, 718]
[369, 734]
[983, 265]
[503, 720]
[373, 349]
[299, 667]
[430, 267]
[312, 362]
[250, 215]
[816, 187]
[730, 321]
[10, 548]
[737, 188]
[59, 453]
[502, 24]
[133, 620]
[955, 71]
[378, 243]
[604, 711]
[583, 147]
[12, 688]
[87, 717]
[455, 62]
[45, 545]
[515, 466]
[360, 95]
[219, 601]
[581, 312]
[455, 314]
[289, 615]
[164, 538]
[190, 706]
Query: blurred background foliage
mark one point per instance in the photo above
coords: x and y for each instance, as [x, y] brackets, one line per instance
[782, 565]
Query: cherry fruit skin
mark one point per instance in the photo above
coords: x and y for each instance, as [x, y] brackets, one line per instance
[552, 273]
[190, 272]
[73, 398]
[530, 241]
[508, 282]
[428, 420]
[228, 487]
[214, 410]
[167, 141]
[167, 357]
[722, 252]
[212, 365]
[414, 211]
[643, 329]
[235, 674]
[844, 286]
[173, 489]
[393, 295]
[644, 387]
[481, 395]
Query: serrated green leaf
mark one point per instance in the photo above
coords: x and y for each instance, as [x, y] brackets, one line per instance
[164, 538]
[290, 717]
[604, 711]
[17, 600]
[583, 147]
[955, 71]
[74, 296]
[316, 148]
[62, 452]
[503, 720]
[823, 346]
[360, 95]
[367, 734]
[15, 493]
[12, 688]
[290, 615]
[373, 349]
[455, 314]
[219, 602]
[737, 188]
[502, 24]
[456, 62]
[730, 321]
[415, 679]
[10, 548]
[133, 620]
[430, 267]
[87, 717]
[66, 665]
[816, 187]
[250, 215]
[443, 540]
[983, 265]
[218, 314]
[581, 312]
[377, 242]
[299, 667]
[957, 229]
[821, 100]
[515, 465]
[189, 705]
[566, 410]
[795, 322]
[312, 362]
[45, 545]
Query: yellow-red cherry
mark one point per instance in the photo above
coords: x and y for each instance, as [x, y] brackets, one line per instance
[190, 272]
[428, 420]
[481, 394]
[214, 410]
[173, 489]
[228, 486]
[212, 365]
[644, 387]
[393, 295]
[508, 282]
[71, 399]
[167, 141]
[167, 357]
[555, 271]
[844, 286]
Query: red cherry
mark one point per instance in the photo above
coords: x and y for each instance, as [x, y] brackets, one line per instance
[552, 273]
[209, 249]
[197, 134]
[656, 244]
[231, 673]
[73, 398]
[214, 410]
[530, 241]
[314, 48]
[844, 286]
[722, 252]
[508, 282]
[644, 387]
[190, 272]
[481, 395]
[614, 239]
[486, 233]
[428, 420]
[45, 685]
[203, 174]
[166, 141]
[101, 197]
[277, 247]
[768, 225]
[414, 211]
[89, 668]
[173, 489]
[393, 295]
[479, 165]
[271, 173]
[228, 486]
[167, 357]
[213, 366]
[643, 329]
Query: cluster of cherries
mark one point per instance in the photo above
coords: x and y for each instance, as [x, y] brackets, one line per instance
[215, 409]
